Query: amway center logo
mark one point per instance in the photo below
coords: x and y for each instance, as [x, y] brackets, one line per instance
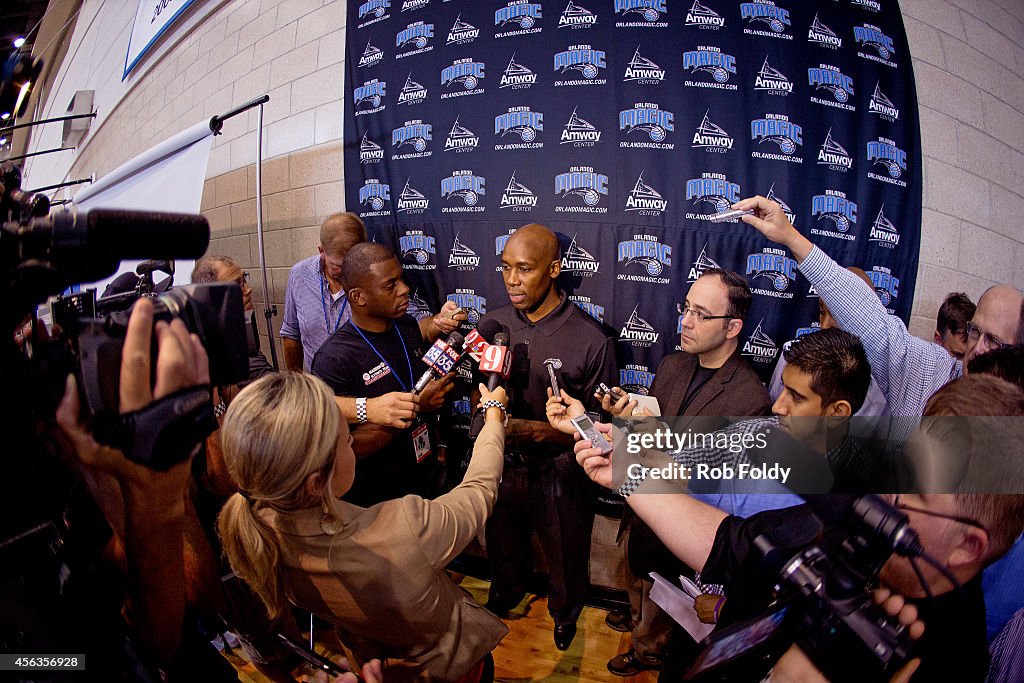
[574, 16]
[462, 257]
[371, 56]
[711, 137]
[410, 5]
[411, 200]
[464, 185]
[883, 232]
[579, 261]
[369, 151]
[759, 347]
[772, 81]
[704, 17]
[833, 155]
[462, 33]
[702, 263]
[765, 12]
[775, 266]
[517, 76]
[645, 200]
[822, 35]
[461, 139]
[517, 196]
[883, 106]
[642, 70]
[583, 182]
[772, 197]
[638, 331]
[579, 132]
[412, 92]
[374, 195]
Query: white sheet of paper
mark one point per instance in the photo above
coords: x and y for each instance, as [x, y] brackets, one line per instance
[679, 606]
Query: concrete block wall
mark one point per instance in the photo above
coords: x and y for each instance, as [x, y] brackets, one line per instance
[967, 57]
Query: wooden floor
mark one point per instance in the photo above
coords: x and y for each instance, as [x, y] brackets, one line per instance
[528, 652]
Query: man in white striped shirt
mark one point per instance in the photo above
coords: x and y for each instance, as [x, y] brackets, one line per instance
[907, 369]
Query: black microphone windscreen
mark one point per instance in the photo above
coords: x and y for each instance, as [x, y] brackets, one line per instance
[501, 339]
[128, 234]
[456, 340]
[489, 327]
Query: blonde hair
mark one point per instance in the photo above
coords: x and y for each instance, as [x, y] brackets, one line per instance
[279, 430]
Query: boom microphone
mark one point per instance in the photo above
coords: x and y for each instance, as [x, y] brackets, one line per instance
[441, 359]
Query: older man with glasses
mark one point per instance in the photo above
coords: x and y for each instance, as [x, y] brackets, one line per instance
[908, 370]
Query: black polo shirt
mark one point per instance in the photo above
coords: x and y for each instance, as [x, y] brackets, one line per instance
[585, 350]
[351, 367]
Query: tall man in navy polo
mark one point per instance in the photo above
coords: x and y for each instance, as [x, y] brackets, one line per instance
[542, 489]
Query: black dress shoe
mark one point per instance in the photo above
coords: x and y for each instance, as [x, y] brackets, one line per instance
[564, 633]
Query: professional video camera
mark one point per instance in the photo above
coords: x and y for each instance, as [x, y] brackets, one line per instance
[43, 255]
[823, 599]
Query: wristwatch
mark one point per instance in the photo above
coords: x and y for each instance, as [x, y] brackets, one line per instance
[361, 410]
[495, 404]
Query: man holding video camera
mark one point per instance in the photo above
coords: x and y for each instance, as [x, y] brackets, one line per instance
[961, 532]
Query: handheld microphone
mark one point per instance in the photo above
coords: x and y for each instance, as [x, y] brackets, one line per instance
[496, 361]
[440, 359]
[553, 364]
[479, 338]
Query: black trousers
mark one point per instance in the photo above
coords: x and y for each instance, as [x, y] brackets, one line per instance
[551, 497]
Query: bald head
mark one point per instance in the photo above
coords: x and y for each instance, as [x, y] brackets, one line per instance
[536, 240]
[997, 320]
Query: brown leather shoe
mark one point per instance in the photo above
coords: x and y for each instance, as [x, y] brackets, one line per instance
[619, 621]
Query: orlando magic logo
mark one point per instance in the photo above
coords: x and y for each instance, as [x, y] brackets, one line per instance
[575, 16]
[703, 262]
[461, 139]
[517, 76]
[583, 182]
[417, 35]
[594, 310]
[713, 193]
[649, 118]
[710, 60]
[638, 331]
[650, 10]
[643, 70]
[464, 185]
[636, 379]
[834, 155]
[417, 247]
[369, 151]
[831, 79]
[883, 232]
[414, 133]
[522, 13]
[579, 132]
[369, 96]
[773, 265]
[465, 72]
[779, 130]
[499, 245]
[766, 12]
[882, 105]
[646, 251]
[462, 257]
[517, 196]
[375, 7]
[833, 206]
[711, 137]
[704, 17]
[772, 197]
[759, 347]
[582, 58]
[461, 32]
[371, 55]
[801, 331]
[412, 92]
[374, 194]
[823, 35]
[578, 260]
[887, 285]
[872, 36]
[519, 121]
[644, 199]
[888, 155]
[772, 80]
[473, 304]
[411, 200]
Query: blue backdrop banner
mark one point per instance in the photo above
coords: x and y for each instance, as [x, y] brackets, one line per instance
[623, 125]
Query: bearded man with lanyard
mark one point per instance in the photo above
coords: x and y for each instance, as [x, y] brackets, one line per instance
[376, 353]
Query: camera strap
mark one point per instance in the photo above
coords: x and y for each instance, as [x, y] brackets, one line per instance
[162, 434]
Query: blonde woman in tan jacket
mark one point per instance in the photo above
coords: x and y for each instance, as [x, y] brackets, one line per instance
[376, 573]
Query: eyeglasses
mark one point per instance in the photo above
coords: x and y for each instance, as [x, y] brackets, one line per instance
[953, 518]
[683, 309]
[974, 333]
